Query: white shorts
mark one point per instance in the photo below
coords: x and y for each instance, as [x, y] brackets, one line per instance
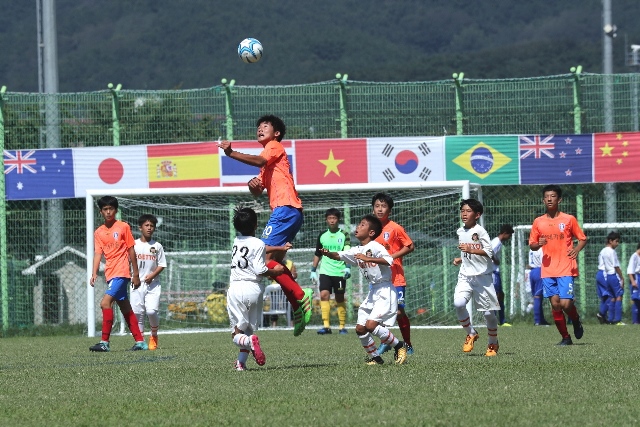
[244, 305]
[381, 305]
[146, 298]
[480, 288]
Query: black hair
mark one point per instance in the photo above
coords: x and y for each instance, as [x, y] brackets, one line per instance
[474, 204]
[108, 201]
[276, 122]
[333, 211]
[506, 228]
[552, 187]
[614, 235]
[374, 224]
[383, 197]
[245, 221]
[147, 217]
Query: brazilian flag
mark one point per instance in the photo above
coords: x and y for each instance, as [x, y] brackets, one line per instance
[486, 160]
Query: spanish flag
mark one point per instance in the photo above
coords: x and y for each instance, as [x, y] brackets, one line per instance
[192, 164]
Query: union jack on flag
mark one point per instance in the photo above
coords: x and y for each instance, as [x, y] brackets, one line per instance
[19, 162]
[536, 146]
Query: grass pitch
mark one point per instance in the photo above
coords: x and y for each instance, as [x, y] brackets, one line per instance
[316, 380]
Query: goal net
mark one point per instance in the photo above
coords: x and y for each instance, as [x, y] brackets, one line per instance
[519, 290]
[196, 230]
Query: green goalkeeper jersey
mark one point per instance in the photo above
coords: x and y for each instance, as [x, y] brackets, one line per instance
[334, 242]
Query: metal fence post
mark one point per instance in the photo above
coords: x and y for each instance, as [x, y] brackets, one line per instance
[115, 112]
[228, 106]
[457, 80]
[344, 117]
[4, 285]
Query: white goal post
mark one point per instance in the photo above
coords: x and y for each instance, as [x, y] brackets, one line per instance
[196, 230]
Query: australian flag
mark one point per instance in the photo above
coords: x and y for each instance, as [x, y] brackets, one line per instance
[39, 174]
[556, 159]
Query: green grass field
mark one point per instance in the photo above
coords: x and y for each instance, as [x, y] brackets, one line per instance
[316, 380]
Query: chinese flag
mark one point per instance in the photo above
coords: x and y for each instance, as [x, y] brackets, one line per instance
[331, 161]
[616, 157]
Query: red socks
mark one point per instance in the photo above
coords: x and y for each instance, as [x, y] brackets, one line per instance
[561, 323]
[132, 323]
[573, 313]
[107, 323]
[405, 329]
[291, 289]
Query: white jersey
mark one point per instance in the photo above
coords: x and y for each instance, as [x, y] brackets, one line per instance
[496, 247]
[634, 264]
[535, 258]
[608, 260]
[474, 265]
[150, 255]
[375, 274]
[247, 259]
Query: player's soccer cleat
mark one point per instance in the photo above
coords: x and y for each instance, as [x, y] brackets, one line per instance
[492, 350]
[506, 324]
[153, 342]
[239, 366]
[409, 350]
[374, 361]
[139, 345]
[565, 341]
[307, 304]
[298, 322]
[343, 331]
[383, 349]
[102, 346]
[324, 331]
[468, 343]
[601, 318]
[400, 354]
[617, 324]
[578, 330]
[256, 351]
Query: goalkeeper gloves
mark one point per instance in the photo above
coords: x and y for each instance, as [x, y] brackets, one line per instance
[346, 273]
[313, 276]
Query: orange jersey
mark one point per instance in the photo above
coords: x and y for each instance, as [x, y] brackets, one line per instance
[276, 177]
[394, 238]
[560, 233]
[114, 243]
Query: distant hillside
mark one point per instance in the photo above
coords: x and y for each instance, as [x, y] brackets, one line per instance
[166, 44]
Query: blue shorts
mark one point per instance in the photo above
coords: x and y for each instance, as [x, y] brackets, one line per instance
[284, 223]
[608, 285]
[118, 287]
[497, 282]
[400, 291]
[561, 286]
[635, 292]
[536, 281]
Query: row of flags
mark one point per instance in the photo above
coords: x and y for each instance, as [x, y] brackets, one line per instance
[487, 160]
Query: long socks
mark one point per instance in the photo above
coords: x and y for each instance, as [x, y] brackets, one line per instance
[561, 322]
[290, 287]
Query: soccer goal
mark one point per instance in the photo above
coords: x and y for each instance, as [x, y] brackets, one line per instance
[520, 295]
[196, 229]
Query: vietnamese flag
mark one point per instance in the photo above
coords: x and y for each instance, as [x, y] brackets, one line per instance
[190, 164]
[616, 157]
[331, 161]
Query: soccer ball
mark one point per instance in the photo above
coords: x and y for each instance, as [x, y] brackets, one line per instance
[250, 50]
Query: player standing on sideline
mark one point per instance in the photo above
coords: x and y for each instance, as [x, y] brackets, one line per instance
[379, 309]
[151, 262]
[244, 297]
[474, 278]
[286, 216]
[396, 241]
[114, 240]
[333, 274]
[633, 270]
[535, 265]
[506, 231]
[609, 282]
[554, 232]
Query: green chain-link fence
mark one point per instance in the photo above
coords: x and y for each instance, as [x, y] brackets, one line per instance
[340, 108]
